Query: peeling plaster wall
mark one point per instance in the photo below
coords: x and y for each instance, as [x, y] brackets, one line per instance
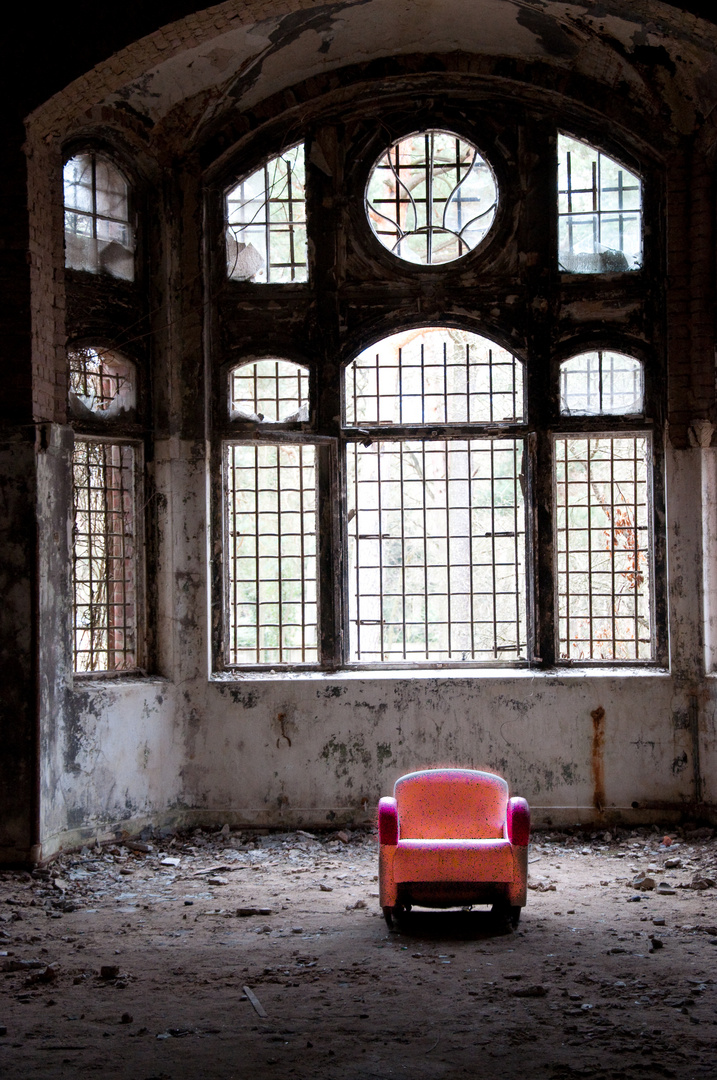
[312, 751]
[330, 748]
[109, 751]
[117, 762]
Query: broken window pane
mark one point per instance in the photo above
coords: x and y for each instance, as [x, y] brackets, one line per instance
[272, 391]
[104, 557]
[271, 545]
[602, 530]
[434, 375]
[599, 211]
[431, 198]
[437, 550]
[600, 383]
[102, 383]
[98, 234]
[266, 222]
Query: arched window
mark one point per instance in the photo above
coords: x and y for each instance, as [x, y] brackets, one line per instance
[270, 523]
[599, 211]
[266, 222]
[102, 383]
[436, 524]
[603, 515]
[601, 383]
[98, 232]
[105, 565]
[441, 496]
[270, 391]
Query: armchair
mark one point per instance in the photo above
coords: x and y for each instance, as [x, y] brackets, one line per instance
[452, 837]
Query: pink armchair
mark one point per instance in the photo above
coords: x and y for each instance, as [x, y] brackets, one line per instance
[452, 837]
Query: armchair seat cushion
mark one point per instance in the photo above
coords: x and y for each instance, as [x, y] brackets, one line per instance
[453, 860]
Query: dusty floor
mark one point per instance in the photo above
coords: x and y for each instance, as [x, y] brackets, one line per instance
[581, 989]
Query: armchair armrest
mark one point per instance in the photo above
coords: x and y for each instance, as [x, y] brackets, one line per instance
[387, 821]
[518, 822]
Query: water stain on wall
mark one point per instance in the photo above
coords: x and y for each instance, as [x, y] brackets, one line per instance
[597, 762]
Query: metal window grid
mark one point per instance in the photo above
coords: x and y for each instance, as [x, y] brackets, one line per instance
[434, 376]
[104, 557]
[603, 547]
[93, 187]
[266, 212]
[274, 390]
[601, 383]
[588, 225]
[98, 376]
[271, 541]
[437, 550]
[431, 198]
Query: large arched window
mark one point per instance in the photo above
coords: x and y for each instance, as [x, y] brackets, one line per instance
[436, 525]
[439, 481]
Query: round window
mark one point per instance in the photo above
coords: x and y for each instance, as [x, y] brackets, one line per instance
[431, 198]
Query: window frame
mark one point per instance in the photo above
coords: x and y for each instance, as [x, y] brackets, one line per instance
[603, 143]
[342, 233]
[242, 178]
[589, 662]
[138, 560]
[125, 430]
[614, 425]
[122, 162]
[477, 431]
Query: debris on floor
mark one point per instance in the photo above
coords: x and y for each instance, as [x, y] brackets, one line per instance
[269, 950]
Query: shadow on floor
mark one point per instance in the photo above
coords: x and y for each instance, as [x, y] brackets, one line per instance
[451, 925]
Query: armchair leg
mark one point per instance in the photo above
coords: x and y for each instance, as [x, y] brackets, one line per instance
[506, 912]
[393, 914]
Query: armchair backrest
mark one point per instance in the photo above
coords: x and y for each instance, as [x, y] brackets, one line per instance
[451, 804]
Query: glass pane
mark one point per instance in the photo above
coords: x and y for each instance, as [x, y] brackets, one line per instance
[98, 234]
[101, 383]
[266, 215]
[77, 182]
[599, 211]
[111, 191]
[271, 547]
[270, 390]
[437, 550]
[431, 198]
[434, 375]
[603, 548]
[104, 567]
[601, 383]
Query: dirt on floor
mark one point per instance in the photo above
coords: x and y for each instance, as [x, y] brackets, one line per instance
[212, 954]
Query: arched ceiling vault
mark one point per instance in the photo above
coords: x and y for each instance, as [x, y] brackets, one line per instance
[194, 77]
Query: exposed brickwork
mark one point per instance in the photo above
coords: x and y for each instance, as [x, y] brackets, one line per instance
[48, 282]
[15, 375]
[690, 293]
